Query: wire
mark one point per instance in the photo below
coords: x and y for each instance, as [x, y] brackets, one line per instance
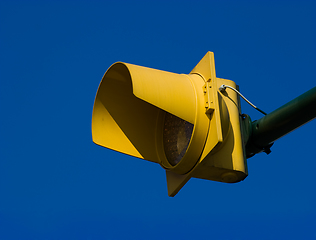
[223, 88]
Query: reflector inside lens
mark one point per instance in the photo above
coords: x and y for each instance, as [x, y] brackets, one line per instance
[176, 137]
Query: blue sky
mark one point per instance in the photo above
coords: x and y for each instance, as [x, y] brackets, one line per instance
[55, 183]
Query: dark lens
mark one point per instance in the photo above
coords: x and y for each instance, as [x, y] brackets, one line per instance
[176, 137]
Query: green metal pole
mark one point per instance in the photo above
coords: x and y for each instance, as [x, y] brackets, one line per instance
[265, 131]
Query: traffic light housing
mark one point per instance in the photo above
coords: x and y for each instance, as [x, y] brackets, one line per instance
[181, 121]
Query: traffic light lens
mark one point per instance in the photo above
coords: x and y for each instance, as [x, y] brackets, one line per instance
[176, 137]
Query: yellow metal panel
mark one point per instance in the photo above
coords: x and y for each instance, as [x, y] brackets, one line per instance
[223, 157]
[206, 68]
[175, 182]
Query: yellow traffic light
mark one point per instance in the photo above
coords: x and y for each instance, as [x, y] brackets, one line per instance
[181, 121]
